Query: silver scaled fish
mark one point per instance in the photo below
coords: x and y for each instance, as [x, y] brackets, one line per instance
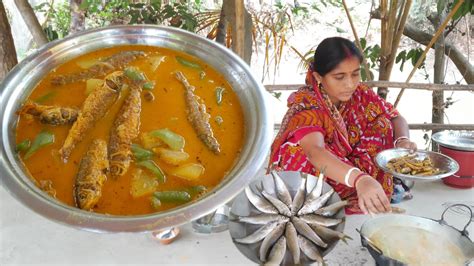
[277, 254]
[259, 234]
[281, 190]
[262, 218]
[260, 203]
[270, 239]
[292, 241]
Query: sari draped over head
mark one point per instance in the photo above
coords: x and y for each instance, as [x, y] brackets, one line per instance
[355, 132]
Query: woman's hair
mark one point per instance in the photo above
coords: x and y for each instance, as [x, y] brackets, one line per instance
[331, 52]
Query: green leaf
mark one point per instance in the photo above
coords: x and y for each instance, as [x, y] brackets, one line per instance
[84, 5]
[42, 139]
[400, 56]
[41, 6]
[402, 64]
[276, 94]
[464, 9]
[156, 4]
[363, 43]
[440, 6]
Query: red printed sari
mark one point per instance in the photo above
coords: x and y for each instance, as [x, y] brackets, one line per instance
[355, 133]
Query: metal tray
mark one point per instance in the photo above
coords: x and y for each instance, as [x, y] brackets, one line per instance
[242, 207]
[447, 165]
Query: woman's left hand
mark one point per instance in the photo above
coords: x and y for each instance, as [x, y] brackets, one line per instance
[407, 144]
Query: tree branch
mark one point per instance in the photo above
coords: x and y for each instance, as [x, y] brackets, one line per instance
[458, 58]
[221, 27]
[460, 61]
[31, 21]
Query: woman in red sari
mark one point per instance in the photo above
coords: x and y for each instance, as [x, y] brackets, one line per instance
[337, 125]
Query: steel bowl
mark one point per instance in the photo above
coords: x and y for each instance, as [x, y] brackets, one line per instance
[458, 145]
[457, 140]
[23, 78]
[447, 165]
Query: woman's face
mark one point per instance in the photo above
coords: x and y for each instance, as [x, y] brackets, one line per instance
[341, 82]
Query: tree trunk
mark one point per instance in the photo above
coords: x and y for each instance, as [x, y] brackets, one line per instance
[78, 17]
[221, 27]
[229, 10]
[31, 22]
[7, 47]
[395, 17]
[437, 114]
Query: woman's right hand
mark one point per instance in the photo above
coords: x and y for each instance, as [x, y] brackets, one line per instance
[372, 198]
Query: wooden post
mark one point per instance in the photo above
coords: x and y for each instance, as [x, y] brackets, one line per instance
[238, 39]
[389, 84]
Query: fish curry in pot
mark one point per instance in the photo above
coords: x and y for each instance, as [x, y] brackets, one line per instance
[130, 130]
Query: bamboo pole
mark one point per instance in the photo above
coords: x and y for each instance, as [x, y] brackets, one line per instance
[383, 24]
[437, 126]
[399, 29]
[277, 126]
[428, 47]
[391, 24]
[364, 61]
[389, 84]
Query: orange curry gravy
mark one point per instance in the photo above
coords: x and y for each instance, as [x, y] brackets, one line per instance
[168, 110]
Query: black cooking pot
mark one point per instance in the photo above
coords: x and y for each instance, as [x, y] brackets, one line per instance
[413, 231]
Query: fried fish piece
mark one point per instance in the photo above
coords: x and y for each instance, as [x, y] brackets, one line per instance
[91, 176]
[410, 165]
[52, 115]
[95, 107]
[47, 186]
[197, 115]
[112, 63]
[124, 130]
